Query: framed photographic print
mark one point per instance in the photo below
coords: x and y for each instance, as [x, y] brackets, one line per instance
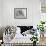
[20, 13]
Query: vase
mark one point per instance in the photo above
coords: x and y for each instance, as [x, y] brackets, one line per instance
[42, 34]
[34, 43]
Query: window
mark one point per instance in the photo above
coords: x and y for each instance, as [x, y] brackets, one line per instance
[43, 10]
[43, 6]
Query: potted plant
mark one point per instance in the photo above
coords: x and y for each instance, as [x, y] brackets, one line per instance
[41, 27]
[34, 39]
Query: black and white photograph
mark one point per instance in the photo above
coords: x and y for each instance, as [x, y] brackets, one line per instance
[20, 13]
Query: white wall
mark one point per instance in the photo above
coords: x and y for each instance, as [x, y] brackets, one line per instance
[0, 12]
[33, 12]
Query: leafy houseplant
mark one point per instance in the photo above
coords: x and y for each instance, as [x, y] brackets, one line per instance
[41, 27]
[34, 39]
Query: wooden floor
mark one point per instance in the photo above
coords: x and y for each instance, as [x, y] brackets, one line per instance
[42, 41]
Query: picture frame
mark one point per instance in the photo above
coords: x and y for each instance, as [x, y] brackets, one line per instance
[20, 13]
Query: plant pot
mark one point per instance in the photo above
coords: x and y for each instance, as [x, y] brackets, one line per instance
[34, 43]
[42, 34]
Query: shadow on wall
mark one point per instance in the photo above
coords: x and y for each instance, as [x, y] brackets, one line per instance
[2, 29]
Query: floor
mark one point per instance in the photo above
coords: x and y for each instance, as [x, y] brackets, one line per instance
[43, 41]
